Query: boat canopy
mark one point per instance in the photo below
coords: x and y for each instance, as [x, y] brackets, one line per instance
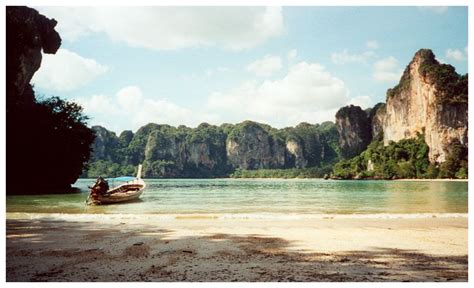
[123, 178]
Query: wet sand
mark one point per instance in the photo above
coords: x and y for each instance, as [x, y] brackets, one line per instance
[47, 247]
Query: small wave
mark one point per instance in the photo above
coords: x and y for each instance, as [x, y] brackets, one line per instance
[237, 216]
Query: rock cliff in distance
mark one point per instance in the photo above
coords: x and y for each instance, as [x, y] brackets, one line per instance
[355, 132]
[212, 151]
[431, 98]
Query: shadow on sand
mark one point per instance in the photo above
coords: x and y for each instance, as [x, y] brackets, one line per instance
[47, 250]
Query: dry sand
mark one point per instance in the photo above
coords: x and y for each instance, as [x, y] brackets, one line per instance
[51, 247]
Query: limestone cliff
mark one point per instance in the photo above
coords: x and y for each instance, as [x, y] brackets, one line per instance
[353, 125]
[214, 151]
[28, 33]
[250, 146]
[295, 149]
[431, 98]
[105, 142]
[376, 117]
[168, 151]
[125, 138]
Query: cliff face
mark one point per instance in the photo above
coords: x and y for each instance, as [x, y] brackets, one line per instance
[28, 32]
[105, 141]
[295, 149]
[355, 132]
[377, 116]
[430, 98]
[212, 151]
[251, 147]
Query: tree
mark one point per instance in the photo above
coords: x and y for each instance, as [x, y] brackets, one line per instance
[52, 147]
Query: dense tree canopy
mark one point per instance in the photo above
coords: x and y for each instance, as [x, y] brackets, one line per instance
[48, 148]
[407, 158]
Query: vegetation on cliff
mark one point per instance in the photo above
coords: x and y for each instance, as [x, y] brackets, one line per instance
[405, 159]
[452, 87]
[213, 151]
[355, 130]
[313, 172]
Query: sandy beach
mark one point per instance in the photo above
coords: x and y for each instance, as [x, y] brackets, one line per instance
[55, 247]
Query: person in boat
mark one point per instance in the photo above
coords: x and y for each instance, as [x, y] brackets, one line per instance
[100, 187]
[103, 184]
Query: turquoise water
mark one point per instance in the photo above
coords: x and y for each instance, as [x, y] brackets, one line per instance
[262, 196]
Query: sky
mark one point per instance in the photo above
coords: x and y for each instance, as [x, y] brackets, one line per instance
[129, 66]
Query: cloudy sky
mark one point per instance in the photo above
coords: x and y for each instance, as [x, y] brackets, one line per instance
[282, 66]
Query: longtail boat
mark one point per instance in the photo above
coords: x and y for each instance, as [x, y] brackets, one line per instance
[130, 189]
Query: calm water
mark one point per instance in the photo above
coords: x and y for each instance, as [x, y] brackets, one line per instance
[239, 196]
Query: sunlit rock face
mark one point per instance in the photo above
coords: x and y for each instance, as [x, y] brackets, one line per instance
[431, 98]
[252, 147]
[295, 149]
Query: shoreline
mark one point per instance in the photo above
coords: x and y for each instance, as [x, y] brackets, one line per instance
[433, 180]
[305, 178]
[225, 216]
[121, 247]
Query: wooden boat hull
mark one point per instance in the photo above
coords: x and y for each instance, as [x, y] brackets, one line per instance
[126, 192]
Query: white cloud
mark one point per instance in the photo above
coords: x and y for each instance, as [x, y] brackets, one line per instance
[435, 9]
[362, 101]
[130, 109]
[455, 54]
[265, 66]
[387, 70]
[292, 54]
[207, 73]
[307, 93]
[66, 70]
[169, 28]
[99, 104]
[372, 44]
[345, 57]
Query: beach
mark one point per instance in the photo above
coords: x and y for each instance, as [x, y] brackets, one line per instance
[139, 247]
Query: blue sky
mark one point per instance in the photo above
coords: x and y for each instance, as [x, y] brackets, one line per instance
[131, 66]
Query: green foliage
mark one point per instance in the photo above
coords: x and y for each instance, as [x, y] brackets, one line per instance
[402, 85]
[184, 152]
[108, 169]
[319, 142]
[314, 172]
[462, 173]
[159, 168]
[456, 162]
[407, 158]
[53, 138]
[432, 172]
[165, 151]
[451, 86]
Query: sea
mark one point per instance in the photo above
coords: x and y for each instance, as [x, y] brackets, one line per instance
[266, 199]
